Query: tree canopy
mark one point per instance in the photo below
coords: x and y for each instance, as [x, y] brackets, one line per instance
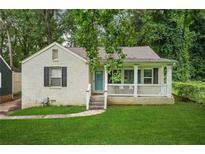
[174, 34]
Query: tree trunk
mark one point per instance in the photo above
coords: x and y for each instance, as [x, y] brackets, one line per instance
[10, 51]
[1, 47]
[49, 17]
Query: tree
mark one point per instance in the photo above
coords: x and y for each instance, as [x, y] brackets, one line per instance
[4, 26]
[168, 32]
[174, 34]
[198, 48]
[118, 31]
[29, 32]
[106, 28]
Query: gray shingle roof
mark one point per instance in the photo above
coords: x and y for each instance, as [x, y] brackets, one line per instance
[142, 53]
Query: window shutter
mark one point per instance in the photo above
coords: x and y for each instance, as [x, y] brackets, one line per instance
[64, 76]
[46, 76]
[139, 77]
[155, 76]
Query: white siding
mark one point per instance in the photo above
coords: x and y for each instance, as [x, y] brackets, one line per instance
[33, 90]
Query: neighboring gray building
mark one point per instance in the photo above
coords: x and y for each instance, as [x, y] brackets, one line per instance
[5, 81]
[63, 75]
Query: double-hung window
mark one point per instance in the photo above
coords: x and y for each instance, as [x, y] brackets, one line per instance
[129, 76]
[148, 77]
[55, 76]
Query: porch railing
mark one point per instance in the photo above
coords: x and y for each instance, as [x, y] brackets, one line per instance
[152, 89]
[88, 95]
[142, 89]
[121, 89]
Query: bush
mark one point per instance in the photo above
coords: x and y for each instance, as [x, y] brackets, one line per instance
[18, 94]
[194, 91]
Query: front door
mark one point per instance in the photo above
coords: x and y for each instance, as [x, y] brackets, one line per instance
[99, 81]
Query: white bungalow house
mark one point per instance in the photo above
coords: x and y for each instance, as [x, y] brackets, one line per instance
[62, 76]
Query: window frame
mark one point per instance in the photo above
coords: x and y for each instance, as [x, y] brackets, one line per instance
[128, 69]
[50, 77]
[148, 77]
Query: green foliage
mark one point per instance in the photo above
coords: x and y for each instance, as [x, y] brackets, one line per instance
[18, 94]
[109, 28]
[168, 33]
[87, 33]
[191, 90]
[29, 32]
[198, 48]
[174, 34]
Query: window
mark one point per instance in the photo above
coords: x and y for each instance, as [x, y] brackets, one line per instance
[110, 77]
[55, 54]
[129, 76]
[139, 76]
[147, 76]
[55, 76]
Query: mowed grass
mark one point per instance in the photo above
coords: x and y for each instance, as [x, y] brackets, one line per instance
[181, 123]
[48, 110]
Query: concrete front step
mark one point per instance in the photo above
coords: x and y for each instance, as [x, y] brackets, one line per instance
[97, 98]
[96, 105]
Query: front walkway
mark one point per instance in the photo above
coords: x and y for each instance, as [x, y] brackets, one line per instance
[10, 106]
[54, 116]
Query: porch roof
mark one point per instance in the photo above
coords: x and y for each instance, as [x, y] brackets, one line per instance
[133, 54]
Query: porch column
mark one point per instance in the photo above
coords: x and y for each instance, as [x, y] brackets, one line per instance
[135, 79]
[161, 80]
[169, 81]
[161, 75]
[105, 89]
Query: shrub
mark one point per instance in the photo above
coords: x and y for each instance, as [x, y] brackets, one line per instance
[18, 94]
[194, 91]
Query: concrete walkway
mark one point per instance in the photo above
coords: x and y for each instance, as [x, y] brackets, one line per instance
[53, 116]
[10, 106]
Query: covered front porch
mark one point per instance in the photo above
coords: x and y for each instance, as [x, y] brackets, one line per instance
[136, 80]
[145, 80]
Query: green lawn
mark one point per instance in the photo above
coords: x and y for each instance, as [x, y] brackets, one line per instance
[49, 110]
[181, 123]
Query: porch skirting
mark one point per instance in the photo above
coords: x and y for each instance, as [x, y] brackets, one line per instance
[112, 100]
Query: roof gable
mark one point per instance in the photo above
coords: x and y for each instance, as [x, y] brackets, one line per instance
[5, 62]
[48, 47]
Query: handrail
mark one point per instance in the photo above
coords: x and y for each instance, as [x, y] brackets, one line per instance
[105, 97]
[88, 95]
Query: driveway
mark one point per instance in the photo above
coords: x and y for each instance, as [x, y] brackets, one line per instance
[10, 106]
